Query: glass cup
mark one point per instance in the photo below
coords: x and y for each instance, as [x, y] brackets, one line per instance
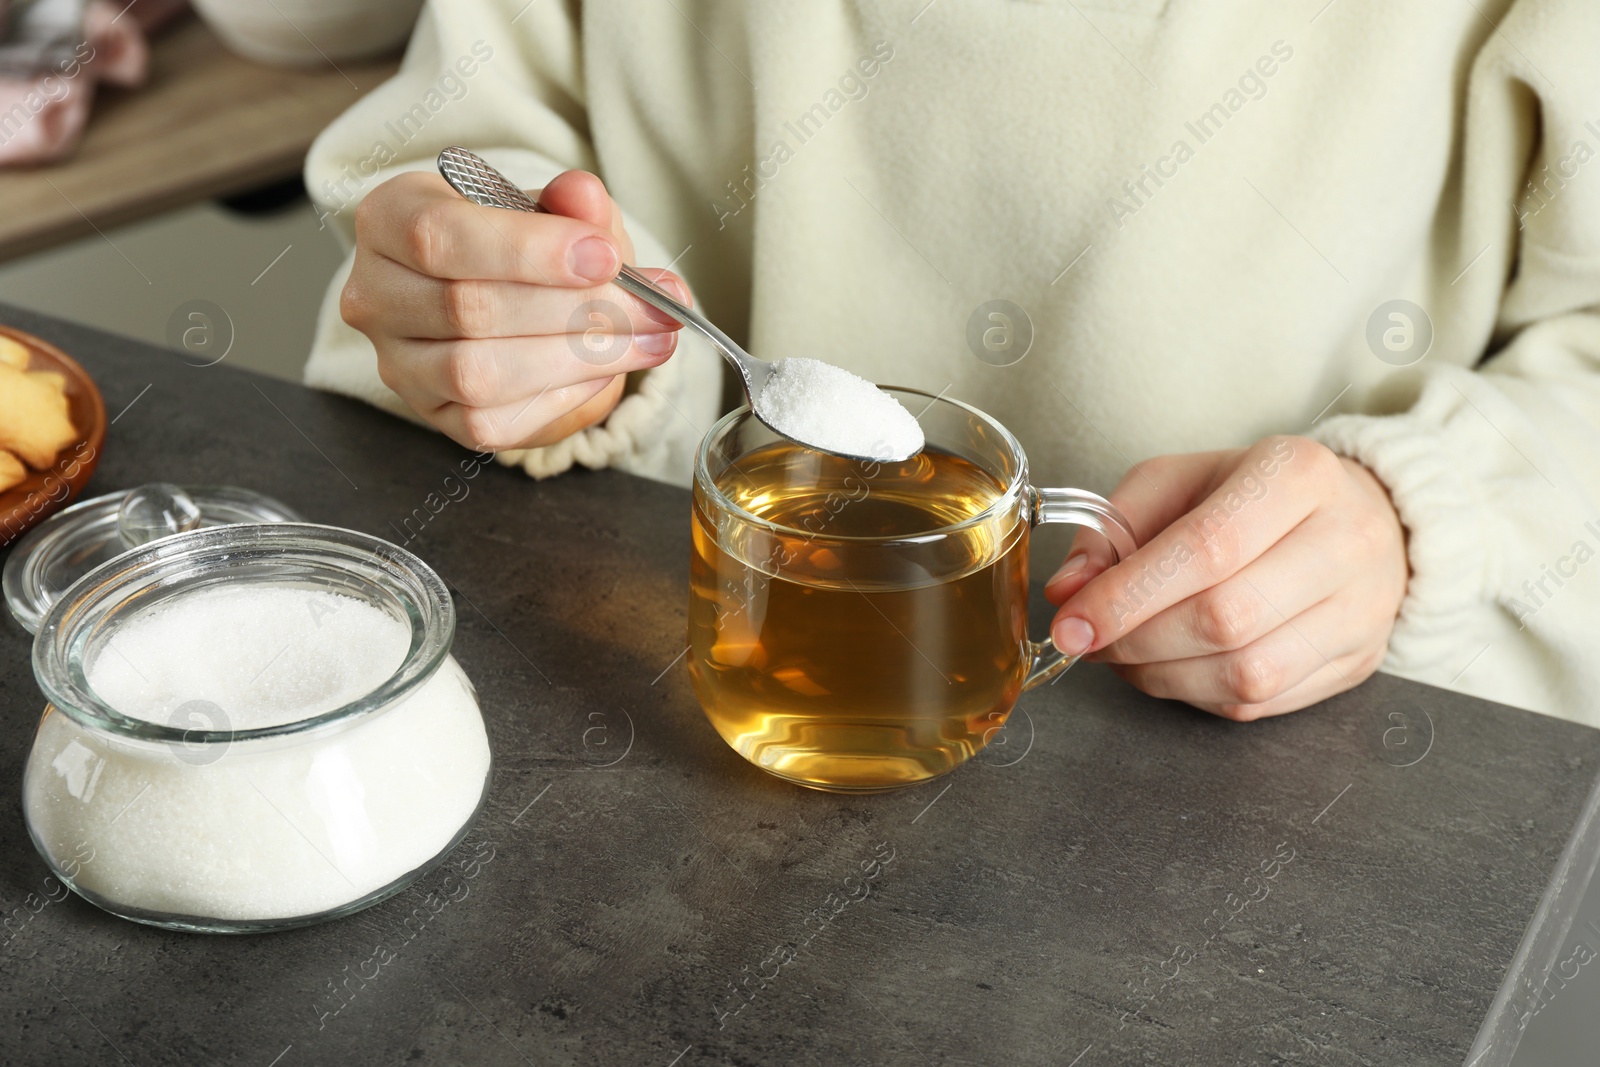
[857, 626]
[193, 824]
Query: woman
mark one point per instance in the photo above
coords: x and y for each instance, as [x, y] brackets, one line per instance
[1353, 246]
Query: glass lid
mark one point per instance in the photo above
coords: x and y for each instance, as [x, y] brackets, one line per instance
[76, 540]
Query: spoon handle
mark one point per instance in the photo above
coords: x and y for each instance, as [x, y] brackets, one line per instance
[471, 175]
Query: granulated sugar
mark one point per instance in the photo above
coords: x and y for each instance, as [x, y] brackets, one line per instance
[265, 655]
[828, 408]
[275, 828]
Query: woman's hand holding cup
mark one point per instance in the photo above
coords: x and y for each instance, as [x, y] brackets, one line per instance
[1267, 579]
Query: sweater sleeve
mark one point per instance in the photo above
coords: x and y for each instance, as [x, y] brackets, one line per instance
[503, 78]
[1495, 471]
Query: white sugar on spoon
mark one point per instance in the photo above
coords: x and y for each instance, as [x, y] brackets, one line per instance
[828, 408]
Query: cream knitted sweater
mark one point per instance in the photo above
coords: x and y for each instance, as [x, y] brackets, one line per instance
[1203, 211]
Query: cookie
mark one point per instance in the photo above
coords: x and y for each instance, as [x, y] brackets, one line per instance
[34, 422]
[53, 378]
[14, 353]
[57, 384]
[12, 472]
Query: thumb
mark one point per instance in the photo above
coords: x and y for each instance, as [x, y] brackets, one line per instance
[1151, 496]
[577, 194]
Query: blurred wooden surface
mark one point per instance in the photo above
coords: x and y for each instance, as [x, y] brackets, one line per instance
[206, 123]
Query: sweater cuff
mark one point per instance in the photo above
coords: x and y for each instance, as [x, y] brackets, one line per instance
[636, 437]
[1445, 524]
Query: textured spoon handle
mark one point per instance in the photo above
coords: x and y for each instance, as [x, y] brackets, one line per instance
[472, 177]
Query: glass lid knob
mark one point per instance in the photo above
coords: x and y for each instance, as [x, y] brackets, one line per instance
[153, 511]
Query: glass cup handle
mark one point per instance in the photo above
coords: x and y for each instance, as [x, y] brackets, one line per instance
[1079, 508]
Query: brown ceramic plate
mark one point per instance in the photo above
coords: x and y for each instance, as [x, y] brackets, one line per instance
[48, 491]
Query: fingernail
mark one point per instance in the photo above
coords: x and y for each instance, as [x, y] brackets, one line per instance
[673, 289]
[659, 345]
[1074, 565]
[679, 293]
[593, 258]
[1073, 636]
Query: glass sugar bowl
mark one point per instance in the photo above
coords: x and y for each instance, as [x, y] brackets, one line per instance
[252, 727]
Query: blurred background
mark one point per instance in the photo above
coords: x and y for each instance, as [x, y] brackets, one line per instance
[204, 251]
[150, 157]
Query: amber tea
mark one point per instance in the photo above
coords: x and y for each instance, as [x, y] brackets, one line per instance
[850, 664]
[858, 626]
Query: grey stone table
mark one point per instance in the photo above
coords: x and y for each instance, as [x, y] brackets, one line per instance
[1122, 880]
